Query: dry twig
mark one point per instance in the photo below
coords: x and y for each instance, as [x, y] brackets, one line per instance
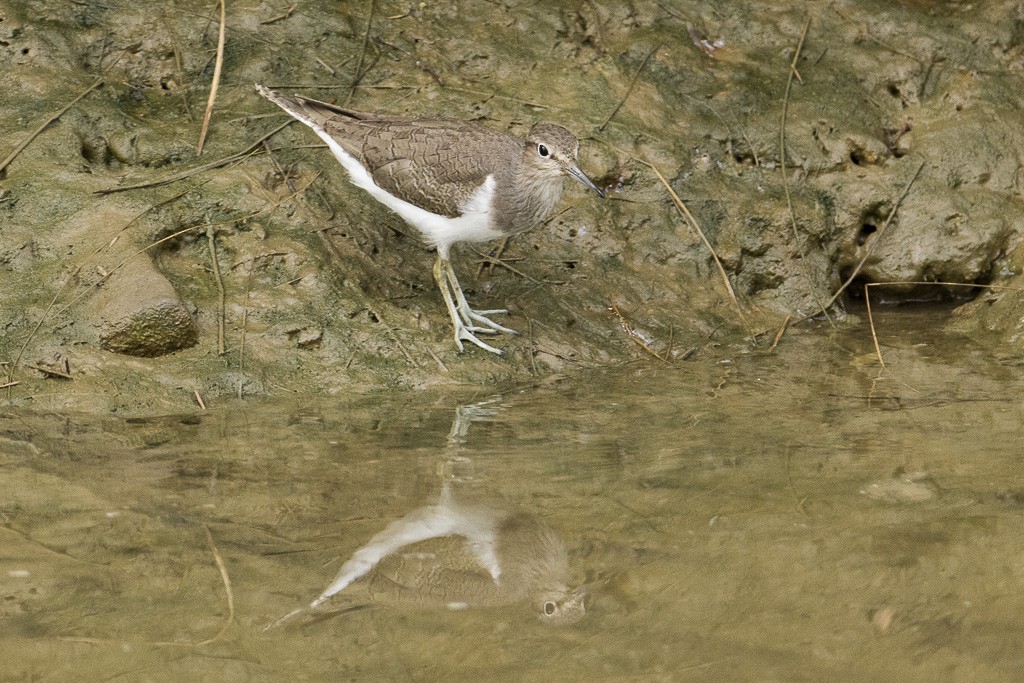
[218, 65]
[211, 243]
[245, 317]
[49, 371]
[287, 13]
[496, 254]
[782, 331]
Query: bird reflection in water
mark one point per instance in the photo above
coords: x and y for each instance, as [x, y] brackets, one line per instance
[459, 555]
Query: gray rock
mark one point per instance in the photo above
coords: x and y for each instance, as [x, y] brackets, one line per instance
[138, 313]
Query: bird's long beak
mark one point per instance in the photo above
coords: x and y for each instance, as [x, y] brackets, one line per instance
[579, 175]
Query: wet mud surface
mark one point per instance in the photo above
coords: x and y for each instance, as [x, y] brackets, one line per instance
[902, 165]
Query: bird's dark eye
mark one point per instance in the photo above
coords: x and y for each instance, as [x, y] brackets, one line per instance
[543, 151]
[549, 607]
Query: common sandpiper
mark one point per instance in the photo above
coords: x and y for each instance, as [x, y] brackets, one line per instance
[454, 181]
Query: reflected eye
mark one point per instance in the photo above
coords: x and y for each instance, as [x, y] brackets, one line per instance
[549, 607]
[543, 151]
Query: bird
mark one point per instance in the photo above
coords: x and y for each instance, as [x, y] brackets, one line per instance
[505, 557]
[453, 180]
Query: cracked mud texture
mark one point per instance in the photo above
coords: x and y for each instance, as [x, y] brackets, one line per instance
[326, 291]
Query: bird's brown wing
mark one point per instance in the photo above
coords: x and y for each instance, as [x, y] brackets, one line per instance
[435, 164]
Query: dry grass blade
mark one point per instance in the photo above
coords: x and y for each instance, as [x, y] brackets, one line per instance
[495, 254]
[221, 296]
[218, 65]
[782, 331]
[245, 317]
[486, 260]
[394, 337]
[34, 134]
[481, 93]
[696, 226]
[229, 593]
[50, 372]
[871, 324]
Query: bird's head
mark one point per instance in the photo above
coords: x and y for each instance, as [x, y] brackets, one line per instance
[553, 151]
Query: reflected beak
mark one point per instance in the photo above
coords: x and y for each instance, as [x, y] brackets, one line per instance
[579, 175]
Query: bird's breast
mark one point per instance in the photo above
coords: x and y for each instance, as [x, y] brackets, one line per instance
[526, 204]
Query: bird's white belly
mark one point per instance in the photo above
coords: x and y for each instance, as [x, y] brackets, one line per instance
[474, 225]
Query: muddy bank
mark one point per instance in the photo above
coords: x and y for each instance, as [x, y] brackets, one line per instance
[902, 139]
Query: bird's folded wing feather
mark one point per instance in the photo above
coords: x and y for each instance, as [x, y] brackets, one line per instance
[435, 164]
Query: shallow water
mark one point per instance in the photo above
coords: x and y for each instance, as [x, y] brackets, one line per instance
[786, 515]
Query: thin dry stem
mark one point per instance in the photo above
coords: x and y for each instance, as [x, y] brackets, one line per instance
[229, 592]
[488, 95]
[533, 346]
[782, 331]
[496, 253]
[180, 75]
[440, 363]
[245, 317]
[218, 65]
[49, 371]
[494, 261]
[221, 314]
[394, 337]
[287, 13]
[871, 324]
[867, 300]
